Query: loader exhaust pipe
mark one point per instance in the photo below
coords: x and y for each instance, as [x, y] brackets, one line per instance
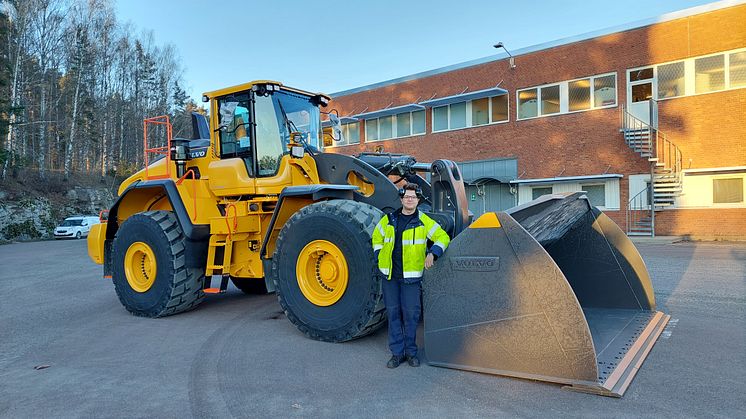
[551, 290]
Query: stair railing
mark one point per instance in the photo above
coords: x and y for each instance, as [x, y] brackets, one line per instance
[638, 207]
[631, 123]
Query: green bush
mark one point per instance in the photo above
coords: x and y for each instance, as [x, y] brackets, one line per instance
[18, 230]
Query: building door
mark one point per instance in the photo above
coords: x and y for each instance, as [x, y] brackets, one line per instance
[489, 197]
[640, 88]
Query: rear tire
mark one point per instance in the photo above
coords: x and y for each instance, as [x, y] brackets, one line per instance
[173, 287]
[345, 228]
[250, 285]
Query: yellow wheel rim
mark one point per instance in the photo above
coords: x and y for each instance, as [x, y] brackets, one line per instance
[140, 267]
[322, 273]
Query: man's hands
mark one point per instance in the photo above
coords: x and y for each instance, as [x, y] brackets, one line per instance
[429, 260]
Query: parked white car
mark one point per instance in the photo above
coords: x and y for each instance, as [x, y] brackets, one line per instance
[75, 227]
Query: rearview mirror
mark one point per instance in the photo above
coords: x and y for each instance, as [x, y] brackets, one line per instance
[336, 127]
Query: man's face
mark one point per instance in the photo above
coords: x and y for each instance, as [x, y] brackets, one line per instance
[409, 201]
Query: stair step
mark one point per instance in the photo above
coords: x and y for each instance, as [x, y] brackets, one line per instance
[635, 233]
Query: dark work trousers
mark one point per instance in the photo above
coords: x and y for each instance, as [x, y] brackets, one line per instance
[403, 306]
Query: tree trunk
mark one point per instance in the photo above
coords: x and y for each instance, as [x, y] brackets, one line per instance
[71, 138]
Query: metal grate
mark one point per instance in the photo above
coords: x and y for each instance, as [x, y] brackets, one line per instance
[709, 74]
[579, 95]
[737, 69]
[671, 80]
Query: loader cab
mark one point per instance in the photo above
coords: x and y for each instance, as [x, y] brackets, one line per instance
[256, 125]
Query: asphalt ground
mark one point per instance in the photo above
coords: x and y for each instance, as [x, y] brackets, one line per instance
[238, 356]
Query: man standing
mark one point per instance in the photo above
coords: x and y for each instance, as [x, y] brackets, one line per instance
[400, 244]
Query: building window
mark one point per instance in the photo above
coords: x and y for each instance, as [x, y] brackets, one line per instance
[671, 80]
[499, 106]
[470, 113]
[539, 191]
[550, 100]
[440, 118]
[371, 130]
[604, 91]
[596, 194]
[403, 125]
[727, 191]
[385, 128]
[697, 75]
[568, 96]
[579, 95]
[457, 118]
[641, 74]
[480, 111]
[709, 74]
[350, 135]
[395, 126]
[418, 122]
[737, 69]
[527, 104]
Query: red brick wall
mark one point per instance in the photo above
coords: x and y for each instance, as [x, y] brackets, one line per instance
[703, 224]
[710, 129]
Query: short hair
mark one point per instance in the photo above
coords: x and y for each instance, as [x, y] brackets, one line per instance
[411, 187]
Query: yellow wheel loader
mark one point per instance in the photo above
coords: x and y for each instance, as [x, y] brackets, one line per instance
[551, 290]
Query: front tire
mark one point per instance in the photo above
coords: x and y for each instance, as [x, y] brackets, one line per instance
[150, 274]
[325, 273]
[78, 235]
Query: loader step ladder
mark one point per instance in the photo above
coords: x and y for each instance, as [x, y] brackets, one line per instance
[226, 243]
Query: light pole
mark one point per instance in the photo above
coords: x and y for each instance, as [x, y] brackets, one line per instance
[512, 60]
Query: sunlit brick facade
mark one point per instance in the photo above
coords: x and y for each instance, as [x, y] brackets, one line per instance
[561, 128]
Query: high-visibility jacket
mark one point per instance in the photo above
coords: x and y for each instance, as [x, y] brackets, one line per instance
[414, 244]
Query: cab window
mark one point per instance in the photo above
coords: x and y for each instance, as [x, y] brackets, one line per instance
[235, 128]
[270, 146]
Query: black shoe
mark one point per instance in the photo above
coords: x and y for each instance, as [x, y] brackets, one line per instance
[413, 361]
[395, 361]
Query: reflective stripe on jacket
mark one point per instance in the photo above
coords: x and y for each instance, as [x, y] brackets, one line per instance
[414, 244]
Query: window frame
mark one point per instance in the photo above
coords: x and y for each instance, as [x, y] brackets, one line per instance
[469, 115]
[344, 136]
[690, 74]
[729, 204]
[582, 188]
[533, 187]
[564, 87]
[394, 126]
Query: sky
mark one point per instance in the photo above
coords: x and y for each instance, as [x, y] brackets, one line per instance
[334, 46]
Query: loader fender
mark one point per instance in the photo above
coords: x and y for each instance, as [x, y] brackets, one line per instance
[196, 236]
[307, 193]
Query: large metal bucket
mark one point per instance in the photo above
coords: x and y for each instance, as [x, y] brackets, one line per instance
[552, 290]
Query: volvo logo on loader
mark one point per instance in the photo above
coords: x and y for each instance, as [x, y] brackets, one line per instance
[475, 263]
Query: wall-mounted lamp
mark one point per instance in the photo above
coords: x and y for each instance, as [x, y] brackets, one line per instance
[512, 60]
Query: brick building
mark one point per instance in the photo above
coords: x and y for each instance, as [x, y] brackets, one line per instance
[602, 112]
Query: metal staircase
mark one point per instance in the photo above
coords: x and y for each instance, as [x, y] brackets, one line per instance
[665, 170]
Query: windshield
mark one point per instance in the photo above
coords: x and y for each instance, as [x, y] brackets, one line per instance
[72, 223]
[296, 113]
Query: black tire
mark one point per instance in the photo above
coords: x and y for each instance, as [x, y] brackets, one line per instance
[348, 225]
[176, 288]
[78, 235]
[250, 285]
